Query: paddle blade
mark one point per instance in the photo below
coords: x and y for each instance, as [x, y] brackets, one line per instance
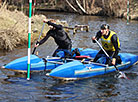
[121, 75]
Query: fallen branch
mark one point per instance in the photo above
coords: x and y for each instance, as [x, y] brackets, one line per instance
[71, 6]
[81, 7]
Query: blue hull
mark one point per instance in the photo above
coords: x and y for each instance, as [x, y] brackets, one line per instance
[37, 64]
[77, 70]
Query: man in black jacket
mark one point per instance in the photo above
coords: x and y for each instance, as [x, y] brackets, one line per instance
[60, 36]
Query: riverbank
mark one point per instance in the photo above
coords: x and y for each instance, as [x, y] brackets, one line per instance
[115, 8]
[14, 28]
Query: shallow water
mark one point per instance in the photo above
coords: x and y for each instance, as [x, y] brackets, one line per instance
[15, 88]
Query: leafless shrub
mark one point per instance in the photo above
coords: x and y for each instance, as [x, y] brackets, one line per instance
[12, 29]
[114, 7]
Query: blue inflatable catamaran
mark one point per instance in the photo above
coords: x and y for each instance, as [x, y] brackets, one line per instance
[71, 68]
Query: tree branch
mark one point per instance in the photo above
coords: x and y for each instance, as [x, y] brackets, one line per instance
[81, 7]
[71, 6]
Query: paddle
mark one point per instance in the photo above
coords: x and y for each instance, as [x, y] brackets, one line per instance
[121, 74]
[39, 37]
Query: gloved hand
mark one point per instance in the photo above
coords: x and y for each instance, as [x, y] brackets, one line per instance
[37, 44]
[93, 39]
[45, 20]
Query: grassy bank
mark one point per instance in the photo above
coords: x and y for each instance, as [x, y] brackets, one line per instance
[14, 28]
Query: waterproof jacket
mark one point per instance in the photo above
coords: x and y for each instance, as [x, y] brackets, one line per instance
[60, 36]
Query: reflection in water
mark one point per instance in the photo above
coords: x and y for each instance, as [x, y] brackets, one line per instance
[57, 90]
[11, 75]
[107, 89]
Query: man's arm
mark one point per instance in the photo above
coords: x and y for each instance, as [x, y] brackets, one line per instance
[45, 38]
[115, 43]
[98, 35]
[55, 25]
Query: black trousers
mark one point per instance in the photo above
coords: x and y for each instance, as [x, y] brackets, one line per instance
[110, 53]
[67, 50]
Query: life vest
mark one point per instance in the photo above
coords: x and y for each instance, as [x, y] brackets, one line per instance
[107, 43]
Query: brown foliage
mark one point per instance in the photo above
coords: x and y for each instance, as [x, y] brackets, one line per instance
[113, 7]
[14, 28]
[13, 24]
[9, 39]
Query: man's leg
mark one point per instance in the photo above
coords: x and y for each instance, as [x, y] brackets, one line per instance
[98, 55]
[54, 54]
[68, 51]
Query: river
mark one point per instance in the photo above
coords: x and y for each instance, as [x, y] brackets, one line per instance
[15, 88]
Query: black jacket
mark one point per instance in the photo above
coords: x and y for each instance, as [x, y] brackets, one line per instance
[60, 36]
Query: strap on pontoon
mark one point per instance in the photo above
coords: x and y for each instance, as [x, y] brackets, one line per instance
[45, 61]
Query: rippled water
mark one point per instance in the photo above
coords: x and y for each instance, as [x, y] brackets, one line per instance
[15, 88]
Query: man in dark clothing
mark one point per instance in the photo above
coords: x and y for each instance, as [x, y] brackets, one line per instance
[110, 43]
[60, 36]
